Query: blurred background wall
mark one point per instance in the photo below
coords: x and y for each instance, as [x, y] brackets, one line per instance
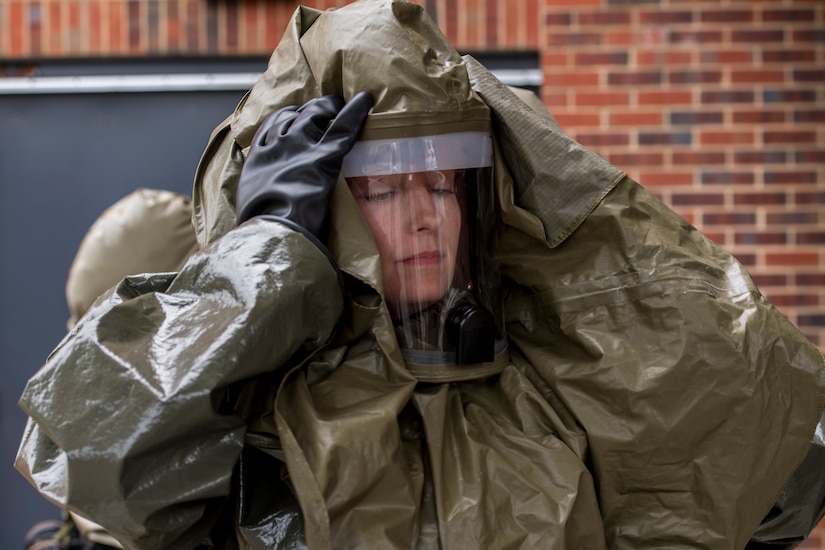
[717, 106]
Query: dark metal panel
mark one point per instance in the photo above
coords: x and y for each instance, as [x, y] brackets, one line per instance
[63, 160]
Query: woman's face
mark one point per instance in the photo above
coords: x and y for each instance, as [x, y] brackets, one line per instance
[416, 222]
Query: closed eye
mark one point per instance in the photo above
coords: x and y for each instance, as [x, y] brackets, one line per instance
[381, 196]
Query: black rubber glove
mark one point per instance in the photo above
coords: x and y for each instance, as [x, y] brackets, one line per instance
[295, 159]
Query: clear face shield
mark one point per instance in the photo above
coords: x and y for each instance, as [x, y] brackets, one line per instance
[428, 202]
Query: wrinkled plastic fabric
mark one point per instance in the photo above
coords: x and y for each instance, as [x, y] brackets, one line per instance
[653, 398]
[129, 423]
[147, 231]
[799, 507]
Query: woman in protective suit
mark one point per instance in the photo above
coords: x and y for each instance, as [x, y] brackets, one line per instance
[380, 344]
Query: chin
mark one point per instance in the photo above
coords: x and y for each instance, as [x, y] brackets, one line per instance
[428, 297]
[421, 300]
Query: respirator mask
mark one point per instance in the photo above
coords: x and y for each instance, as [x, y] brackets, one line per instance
[428, 201]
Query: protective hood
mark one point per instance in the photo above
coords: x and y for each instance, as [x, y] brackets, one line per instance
[424, 100]
[392, 50]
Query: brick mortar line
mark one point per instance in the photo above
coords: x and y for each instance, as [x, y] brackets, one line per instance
[26, 36]
[163, 26]
[85, 21]
[62, 38]
[4, 36]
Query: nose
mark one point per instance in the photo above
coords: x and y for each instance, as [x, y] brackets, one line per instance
[423, 211]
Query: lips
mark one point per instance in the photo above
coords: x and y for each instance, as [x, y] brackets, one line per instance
[425, 258]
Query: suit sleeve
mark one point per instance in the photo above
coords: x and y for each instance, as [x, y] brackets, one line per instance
[127, 426]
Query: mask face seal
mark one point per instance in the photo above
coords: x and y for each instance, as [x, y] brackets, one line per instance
[428, 202]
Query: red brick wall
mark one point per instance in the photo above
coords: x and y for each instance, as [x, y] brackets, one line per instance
[718, 106]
